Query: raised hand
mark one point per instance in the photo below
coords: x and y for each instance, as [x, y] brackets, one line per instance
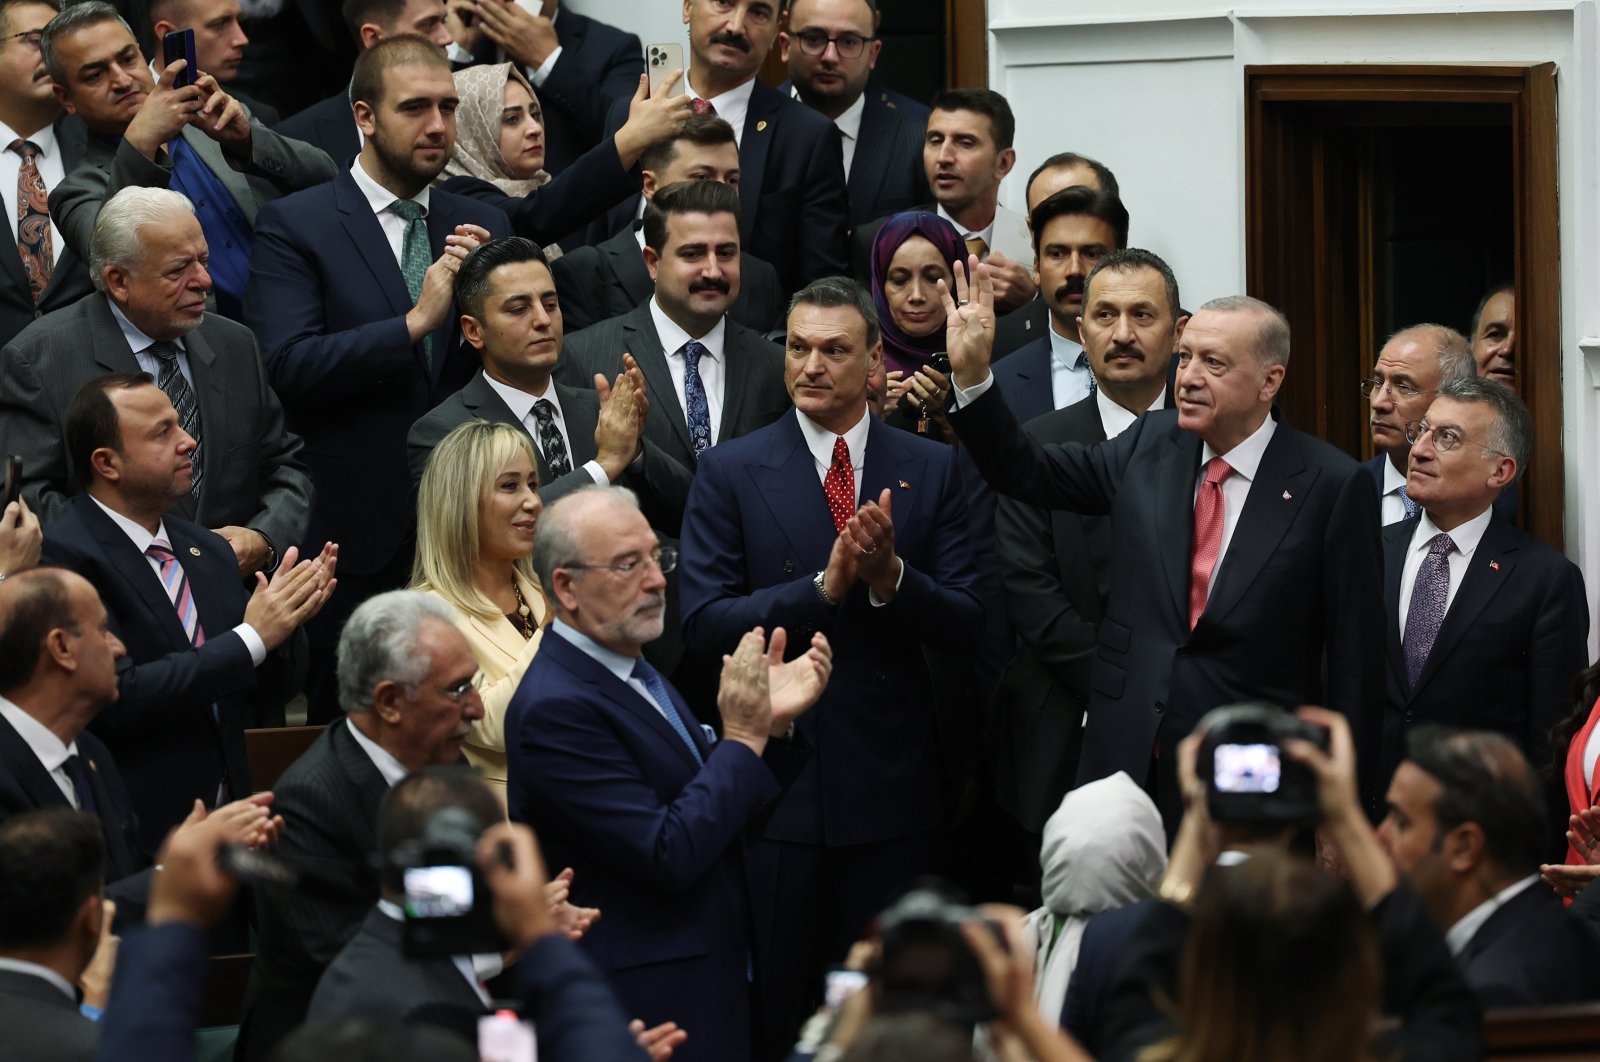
[652, 118]
[871, 532]
[796, 685]
[20, 538]
[969, 322]
[296, 592]
[164, 112]
[618, 432]
[221, 117]
[744, 697]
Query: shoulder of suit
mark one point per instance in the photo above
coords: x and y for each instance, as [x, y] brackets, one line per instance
[576, 397]
[1323, 454]
[749, 338]
[903, 107]
[455, 205]
[797, 116]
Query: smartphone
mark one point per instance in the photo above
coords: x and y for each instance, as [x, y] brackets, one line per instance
[13, 481]
[662, 61]
[179, 44]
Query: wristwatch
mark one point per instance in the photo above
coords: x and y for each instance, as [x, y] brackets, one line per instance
[822, 591]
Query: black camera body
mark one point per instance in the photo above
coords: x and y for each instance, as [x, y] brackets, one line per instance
[926, 964]
[448, 907]
[1248, 777]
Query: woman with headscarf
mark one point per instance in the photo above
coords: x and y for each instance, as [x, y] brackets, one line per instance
[911, 253]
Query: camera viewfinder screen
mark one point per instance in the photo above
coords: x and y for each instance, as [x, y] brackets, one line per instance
[1246, 769]
[438, 892]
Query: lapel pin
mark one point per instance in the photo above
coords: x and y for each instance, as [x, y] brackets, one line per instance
[1495, 565]
[94, 767]
[761, 126]
[904, 485]
[195, 550]
[1287, 496]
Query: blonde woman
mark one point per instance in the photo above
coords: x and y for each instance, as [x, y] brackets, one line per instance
[477, 511]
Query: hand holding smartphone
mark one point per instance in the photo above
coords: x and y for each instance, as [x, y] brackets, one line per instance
[179, 44]
[661, 61]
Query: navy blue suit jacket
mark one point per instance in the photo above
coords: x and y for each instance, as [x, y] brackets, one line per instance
[755, 533]
[599, 64]
[329, 124]
[328, 303]
[1024, 380]
[655, 839]
[886, 174]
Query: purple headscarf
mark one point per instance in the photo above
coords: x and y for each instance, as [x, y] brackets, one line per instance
[901, 351]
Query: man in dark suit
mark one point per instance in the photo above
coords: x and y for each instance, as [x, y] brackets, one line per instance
[43, 274]
[351, 295]
[1246, 562]
[196, 643]
[1056, 566]
[1467, 828]
[607, 280]
[510, 313]
[405, 679]
[1072, 230]
[251, 487]
[195, 140]
[1487, 626]
[331, 124]
[792, 186]
[52, 873]
[831, 48]
[772, 537]
[608, 764]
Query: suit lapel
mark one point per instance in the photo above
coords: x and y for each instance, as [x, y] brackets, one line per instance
[582, 413]
[134, 570]
[1084, 425]
[627, 267]
[760, 130]
[213, 402]
[361, 226]
[736, 376]
[592, 673]
[111, 350]
[439, 227]
[891, 466]
[1396, 539]
[36, 782]
[640, 340]
[210, 152]
[873, 141]
[1492, 566]
[1174, 502]
[788, 481]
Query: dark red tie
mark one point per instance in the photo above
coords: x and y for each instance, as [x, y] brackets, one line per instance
[702, 108]
[840, 485]
[1209, 514]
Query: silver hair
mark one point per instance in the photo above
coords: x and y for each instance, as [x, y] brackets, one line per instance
[1272, 338]
[382, 641]
[1449, 346]
[122, 217]
[74, 17]
[1512, 433]
[557, 544]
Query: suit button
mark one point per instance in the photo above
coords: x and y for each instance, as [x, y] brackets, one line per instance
[788, 567]
[1160, 707]
[1183, 652]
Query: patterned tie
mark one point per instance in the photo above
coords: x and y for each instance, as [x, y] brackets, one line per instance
[1429, 595]
[979, 246]
[550, 441]
[33, 220]
[80, 784]
[694, 397]
[1209, 514]
[702, 108]
[177, 587]
[170, 379]
[669, 710]
[1083, 364]
[415, 257]
[840, 485]
[1411, 507]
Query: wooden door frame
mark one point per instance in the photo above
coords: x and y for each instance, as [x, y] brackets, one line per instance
[966, 43]
[1273, 236]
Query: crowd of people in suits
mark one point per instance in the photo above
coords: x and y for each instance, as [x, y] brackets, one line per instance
[709, 492]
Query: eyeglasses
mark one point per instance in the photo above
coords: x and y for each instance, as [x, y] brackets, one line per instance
[461, 690]
[665, 558]
[30, 37]
[815, 42]
[1399, 390]
[1445, 439]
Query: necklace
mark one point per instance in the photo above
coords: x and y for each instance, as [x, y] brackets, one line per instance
[524, 620]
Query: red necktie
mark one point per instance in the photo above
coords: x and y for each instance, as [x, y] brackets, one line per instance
[1208, 519]
[840, 485]
[702, 108]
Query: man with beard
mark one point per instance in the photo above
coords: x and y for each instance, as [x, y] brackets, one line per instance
[1072, 230]
[352, 296]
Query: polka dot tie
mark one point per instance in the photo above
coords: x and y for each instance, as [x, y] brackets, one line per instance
[840, 485]
[1411, 507]
[1209, 513]
[1430, 594]
[702, 108]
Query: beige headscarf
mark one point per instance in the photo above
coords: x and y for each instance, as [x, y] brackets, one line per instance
[483, 94]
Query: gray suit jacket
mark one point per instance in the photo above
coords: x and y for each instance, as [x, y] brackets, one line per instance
[373, 978]
[41, 1024]
[253, 476]
[277, 165]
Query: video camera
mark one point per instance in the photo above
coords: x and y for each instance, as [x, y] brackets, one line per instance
[448, 907]
[1248, 778]
[926, 964]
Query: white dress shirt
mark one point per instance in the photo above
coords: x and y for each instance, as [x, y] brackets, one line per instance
[1007, 232]
[52, 169]
[1392, 509]
[819, 441]
[542, 72]
[1069, 382]
[140, 344]
[391, 769]
[1245, 460]
[1466, 537]
[142, 539]
[711, 365]
[521, 404]
[731, 106]
[381, 199]
[46, 748]
[986, 234]
[849, 126]
[1115, 419]
[622, 666]
[1458, 936]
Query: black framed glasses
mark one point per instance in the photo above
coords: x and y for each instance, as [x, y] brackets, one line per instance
[1399, 390]
[665, 558]
[850, 45]
[1446, 438]
[29, 37]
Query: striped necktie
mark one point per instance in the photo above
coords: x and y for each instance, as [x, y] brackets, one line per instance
[176, 583]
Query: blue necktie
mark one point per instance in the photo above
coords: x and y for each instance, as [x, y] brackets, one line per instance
[669, 709]
[1411, 507]
[81, 785]
[694, 397]
[1429, 598]
[1083, 363]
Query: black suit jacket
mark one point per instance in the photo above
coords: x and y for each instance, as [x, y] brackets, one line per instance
[609, 279]
[660, 481]
[886, 173]
[329, 125]
[329, 800]
[170, 744]
[254, 474]
[579, 195]
[69, 279]
[1015, 330]
[1293, 617]
[599, 65]
[1024, 380]
[1516, 634]
[1532, 952]
[373, 978]
[41, 1023]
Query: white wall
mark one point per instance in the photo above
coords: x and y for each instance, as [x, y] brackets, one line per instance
[1159, 97]
[654, 21]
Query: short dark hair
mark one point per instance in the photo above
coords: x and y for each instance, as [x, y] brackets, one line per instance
[51, 861]
[1131, 260]
[366, 83]
[38, 603]
[472, 279]
[986, 102]
[357, 13]
[1512, 433]
[706, 130]
[1503, 288]
[1484, 778]
[1080, 199]
[408, 806]
[92, 419]
[687, 197]
[829, 292]
[74, 18]
[1066, 160]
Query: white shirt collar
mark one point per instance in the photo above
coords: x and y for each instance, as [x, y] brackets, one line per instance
[819, 440]
[44, 743]
[673, 338]
[44, 139]
[521, 402]
[849, 122]
[731, 106]
[136, 533]
[1466, 536]
[138, 342]
[1115, 419]
[1062, 349]
[391, 769]
[1458, 936]
[378, 197]
[33, 969]
[618, 664]
[1393, 478]
[985, 234]
[1245, 458]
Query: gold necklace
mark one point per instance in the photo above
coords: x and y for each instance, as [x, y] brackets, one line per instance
[524, 613]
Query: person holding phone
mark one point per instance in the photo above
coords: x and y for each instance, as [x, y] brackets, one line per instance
[20, 536]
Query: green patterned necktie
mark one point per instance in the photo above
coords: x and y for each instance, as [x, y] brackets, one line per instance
[415, 258]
